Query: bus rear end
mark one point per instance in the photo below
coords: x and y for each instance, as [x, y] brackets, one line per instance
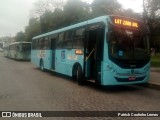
[23, 51]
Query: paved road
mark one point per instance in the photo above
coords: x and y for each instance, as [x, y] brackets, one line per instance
[24, 87]
[155, 78]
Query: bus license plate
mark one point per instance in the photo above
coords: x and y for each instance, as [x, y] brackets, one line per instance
[131, 78]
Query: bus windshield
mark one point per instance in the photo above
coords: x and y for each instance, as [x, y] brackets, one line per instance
[129, 44]
[26, 47]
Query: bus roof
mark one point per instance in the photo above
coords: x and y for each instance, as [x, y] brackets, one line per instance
[95, 20]
[98, 19]
[18, 43]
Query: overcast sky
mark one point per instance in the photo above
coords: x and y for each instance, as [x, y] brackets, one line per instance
[14, 14]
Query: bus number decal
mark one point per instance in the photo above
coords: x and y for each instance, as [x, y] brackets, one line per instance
[72, 57]
[41, 54]
[63, 55]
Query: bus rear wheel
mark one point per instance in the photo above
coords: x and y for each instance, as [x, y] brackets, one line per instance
[42, 66]
[79, 74]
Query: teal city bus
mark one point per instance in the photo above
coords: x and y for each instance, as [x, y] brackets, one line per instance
[110, 50]
[18, 50]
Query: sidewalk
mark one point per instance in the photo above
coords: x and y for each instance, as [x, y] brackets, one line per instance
[153, 69]
[154, 82]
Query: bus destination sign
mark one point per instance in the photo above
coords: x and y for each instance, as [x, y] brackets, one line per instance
[127, 23]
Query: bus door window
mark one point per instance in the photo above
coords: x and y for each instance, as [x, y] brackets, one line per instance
[91, 47]
[95, 52]
[78, 39]
[53, 42]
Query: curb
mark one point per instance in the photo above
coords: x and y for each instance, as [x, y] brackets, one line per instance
[151, 85]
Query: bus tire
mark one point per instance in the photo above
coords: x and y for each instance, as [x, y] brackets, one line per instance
[42, 65]
[79, 75]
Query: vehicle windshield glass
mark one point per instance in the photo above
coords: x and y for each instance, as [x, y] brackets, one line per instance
[26, 47]
[129, 44]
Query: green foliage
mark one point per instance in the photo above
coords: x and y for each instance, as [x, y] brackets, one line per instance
[75, 11]
[151, 8]
[20, 36]
[130, 13]
[46, 21]
[55, 14]
[105, 7]
[155, 60]
[151, 17]
[32, 29]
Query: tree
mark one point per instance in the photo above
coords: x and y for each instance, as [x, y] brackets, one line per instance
[46, 21]
[105, 7]
[43, 6]
[75, 11]
[151, 17]
[151, 8]
[130, 13]
[20, 36]
[52, 20]
[32, 29]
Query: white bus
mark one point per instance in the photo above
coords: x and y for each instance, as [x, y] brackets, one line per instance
[1, 46]
[18, 50]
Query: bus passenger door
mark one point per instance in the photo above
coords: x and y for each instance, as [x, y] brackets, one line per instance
[53, 41]
[94, 53]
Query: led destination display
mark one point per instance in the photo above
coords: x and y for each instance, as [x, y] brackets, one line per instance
[125, 22]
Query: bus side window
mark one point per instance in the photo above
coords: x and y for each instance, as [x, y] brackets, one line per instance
[40, 43]
[36, 44]
[69, 35]
[33, 44]
[17, 48]
[46, 43]
[60, 40]
[12, 47]
[43, 44]
[80, 32]
[68, 41]
[78, 43]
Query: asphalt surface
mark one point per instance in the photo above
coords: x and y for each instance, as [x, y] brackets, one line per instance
[23, 87]
[155, 78]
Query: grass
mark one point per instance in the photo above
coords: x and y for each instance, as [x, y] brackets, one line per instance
[155, 60]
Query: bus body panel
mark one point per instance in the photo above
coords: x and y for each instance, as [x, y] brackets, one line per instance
[35, 58]
[114, 75]
[46, 59]
[22, 56]
[65, 59]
